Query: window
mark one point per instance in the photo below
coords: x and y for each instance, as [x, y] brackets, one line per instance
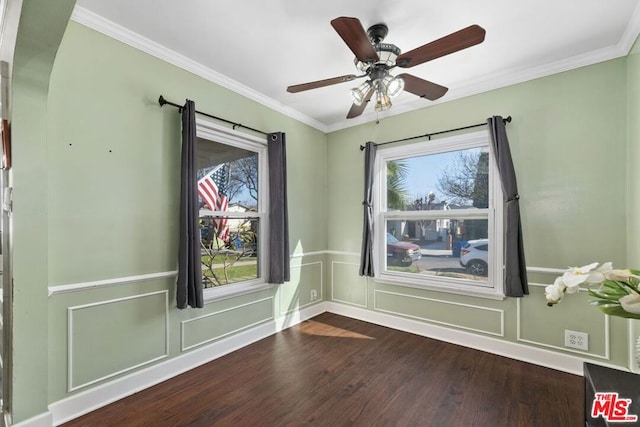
[438, 216]
[232, 186]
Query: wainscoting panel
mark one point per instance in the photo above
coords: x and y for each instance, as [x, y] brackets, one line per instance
[465, 316]
[304, 288]
[545, 326]
[101, 337]
[347, 286]
[219, 324]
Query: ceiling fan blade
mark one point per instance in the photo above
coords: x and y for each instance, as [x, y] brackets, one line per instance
[353, 34]
[454, 42]
[422, 88]
[321, 83]
[356, 110]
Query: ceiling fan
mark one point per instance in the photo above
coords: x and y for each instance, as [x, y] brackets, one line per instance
[375, 60]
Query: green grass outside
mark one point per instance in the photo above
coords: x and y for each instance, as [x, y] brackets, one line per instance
[221, 258]
[235, 274]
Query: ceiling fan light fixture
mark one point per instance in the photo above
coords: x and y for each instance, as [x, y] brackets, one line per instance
[383, 102]
[360, 93]
[375, 59]
[393, 86]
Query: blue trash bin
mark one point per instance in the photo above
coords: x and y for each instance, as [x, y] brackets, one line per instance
[455, 249]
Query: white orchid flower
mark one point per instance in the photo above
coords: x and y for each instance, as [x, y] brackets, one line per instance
[600, 274]
[555, 292]
[631, 303]
[575, 276]
[591, 274]
[620, 275]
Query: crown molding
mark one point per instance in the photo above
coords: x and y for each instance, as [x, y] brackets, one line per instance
[137, 41]
[631, 33]
[512, 76]
[483, 84]
[505, 78]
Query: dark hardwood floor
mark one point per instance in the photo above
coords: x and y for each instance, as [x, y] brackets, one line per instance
[337, 371]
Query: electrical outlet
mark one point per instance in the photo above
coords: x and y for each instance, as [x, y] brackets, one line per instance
[314, 295]
[578, 340]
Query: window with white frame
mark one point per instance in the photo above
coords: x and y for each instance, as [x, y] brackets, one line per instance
[232, 187]
[438, 216]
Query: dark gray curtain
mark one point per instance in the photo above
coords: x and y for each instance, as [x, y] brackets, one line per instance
[278, 213]
[366, 257]
[189, 284]
[516, 284]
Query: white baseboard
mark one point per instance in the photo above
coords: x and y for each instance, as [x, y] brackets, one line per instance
[43, 420]
[525, 353]
[84, 402]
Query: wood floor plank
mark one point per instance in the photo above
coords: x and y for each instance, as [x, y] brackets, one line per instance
[336, 371]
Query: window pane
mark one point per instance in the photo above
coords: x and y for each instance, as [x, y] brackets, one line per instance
[230, 251]
[446, 247]
[228, 182]
[442, 181]
[226, 175]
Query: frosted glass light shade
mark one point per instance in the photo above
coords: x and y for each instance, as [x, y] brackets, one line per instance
[382, 101]
[359, 93]
[393, 86]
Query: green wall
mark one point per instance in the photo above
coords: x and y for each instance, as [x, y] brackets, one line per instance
[40, 30]
[569, 144]
[115, 191]
[113, 158]
[97, 199]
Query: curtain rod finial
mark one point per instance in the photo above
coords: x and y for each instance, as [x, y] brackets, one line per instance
[362, 147]
[161, 100]
[508, 119]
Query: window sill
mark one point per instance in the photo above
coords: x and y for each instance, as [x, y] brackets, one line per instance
[470, 291]
[231, 291]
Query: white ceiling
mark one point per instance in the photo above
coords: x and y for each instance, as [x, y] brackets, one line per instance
[258, 48]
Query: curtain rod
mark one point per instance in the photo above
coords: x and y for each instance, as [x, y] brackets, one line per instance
[429, 135]
[163, 101]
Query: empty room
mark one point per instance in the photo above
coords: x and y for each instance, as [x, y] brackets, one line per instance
[291, 213]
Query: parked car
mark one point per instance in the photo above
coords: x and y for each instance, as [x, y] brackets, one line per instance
[474, 255]
[401, 253]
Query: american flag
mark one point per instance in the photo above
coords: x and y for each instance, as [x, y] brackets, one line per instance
[211, 189]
